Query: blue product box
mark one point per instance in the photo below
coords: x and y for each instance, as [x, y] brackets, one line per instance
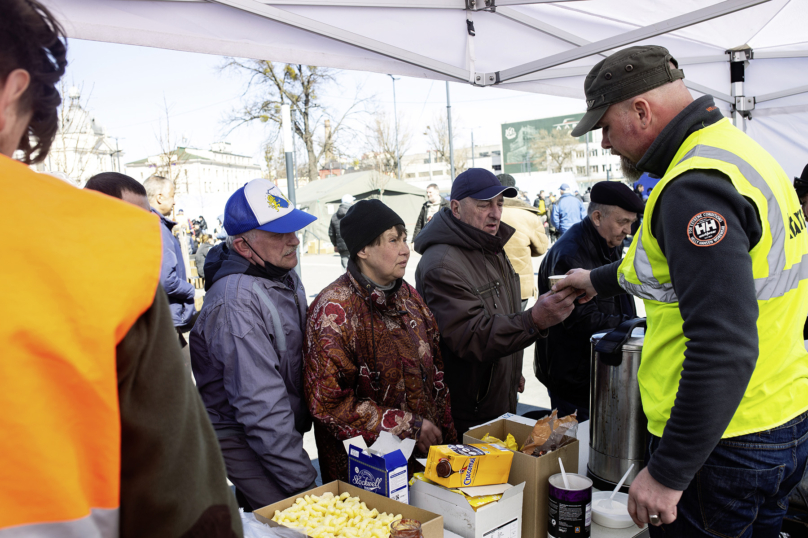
[382, 468]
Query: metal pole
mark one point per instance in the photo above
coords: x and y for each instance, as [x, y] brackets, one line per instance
[118, 156]
[288, 148]
[395, 113]
[588, 174]
[472, 149]
[451, 141]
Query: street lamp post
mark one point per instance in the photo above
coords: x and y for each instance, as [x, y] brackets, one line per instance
[451, 142]
[288, 148]
[395, 113]
[472, 149]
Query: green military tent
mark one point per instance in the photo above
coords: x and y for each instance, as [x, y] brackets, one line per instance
[322, 197]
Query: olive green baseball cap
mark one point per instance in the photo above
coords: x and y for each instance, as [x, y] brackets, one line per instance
[623, 75]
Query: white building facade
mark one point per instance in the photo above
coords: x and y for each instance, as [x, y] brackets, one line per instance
[200, 171]
[81, 148]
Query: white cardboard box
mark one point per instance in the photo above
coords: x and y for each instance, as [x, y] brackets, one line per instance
[502, 519]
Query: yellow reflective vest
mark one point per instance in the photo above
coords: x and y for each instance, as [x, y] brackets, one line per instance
[778, 389]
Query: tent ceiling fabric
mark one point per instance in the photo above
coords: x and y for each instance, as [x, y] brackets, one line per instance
[430, 39]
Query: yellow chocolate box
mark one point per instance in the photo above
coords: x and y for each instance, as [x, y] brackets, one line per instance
[459, 466]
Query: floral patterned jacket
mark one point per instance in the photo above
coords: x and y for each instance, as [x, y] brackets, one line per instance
[372, 363]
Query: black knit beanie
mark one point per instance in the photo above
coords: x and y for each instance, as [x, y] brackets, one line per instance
[365, 221]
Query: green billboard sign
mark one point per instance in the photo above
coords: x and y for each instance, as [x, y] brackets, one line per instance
[518, 155]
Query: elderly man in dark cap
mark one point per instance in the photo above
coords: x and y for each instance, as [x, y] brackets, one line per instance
[562, 359]
[469, 284]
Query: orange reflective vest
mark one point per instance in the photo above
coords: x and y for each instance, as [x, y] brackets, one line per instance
[78, 269]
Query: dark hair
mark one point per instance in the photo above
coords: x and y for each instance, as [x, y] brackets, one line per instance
[114, 184]
[31, 39]
[400, 230]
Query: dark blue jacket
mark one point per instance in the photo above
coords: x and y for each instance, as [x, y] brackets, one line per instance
[173, 277]
[567, 211]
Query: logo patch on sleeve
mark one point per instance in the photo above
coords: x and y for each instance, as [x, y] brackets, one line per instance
[706, 229]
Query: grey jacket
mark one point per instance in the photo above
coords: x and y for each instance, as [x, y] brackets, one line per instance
[247, 357]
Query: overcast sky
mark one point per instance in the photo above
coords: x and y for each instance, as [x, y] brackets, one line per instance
[124, 87]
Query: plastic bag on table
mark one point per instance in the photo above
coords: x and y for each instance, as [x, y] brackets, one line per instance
[551, 433]
[509, 442]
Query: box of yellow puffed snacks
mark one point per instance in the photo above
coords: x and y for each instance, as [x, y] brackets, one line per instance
[340, 510]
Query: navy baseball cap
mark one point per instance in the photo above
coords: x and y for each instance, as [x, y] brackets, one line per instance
[261, 205]
[480, 184]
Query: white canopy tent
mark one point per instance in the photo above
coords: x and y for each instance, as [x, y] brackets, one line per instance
[751, 55]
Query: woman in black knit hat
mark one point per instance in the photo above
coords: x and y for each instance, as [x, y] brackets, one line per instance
[372, 359]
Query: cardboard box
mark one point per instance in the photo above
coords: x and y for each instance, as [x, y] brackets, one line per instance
[502, 519]
[382, 467]
[431, 524]
[533, 471]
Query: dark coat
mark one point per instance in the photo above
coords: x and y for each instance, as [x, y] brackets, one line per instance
[470, 286]
[334, 231]
[421, 222]
[562, 359]
[173, 278]
[199, 257]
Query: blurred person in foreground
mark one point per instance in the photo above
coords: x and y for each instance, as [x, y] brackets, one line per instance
[472, 289]
[173, 276]
[434, 203]
[562, 359]
[247, 347]
[528, 241]
[120, 186]
[333, 229]
[373, 360]
[567, 210]
[718, 262]
[103, 431]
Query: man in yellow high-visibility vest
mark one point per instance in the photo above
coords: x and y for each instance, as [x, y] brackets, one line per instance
[719, 264]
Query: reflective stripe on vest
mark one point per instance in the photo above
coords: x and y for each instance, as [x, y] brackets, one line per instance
[99, 524]
[778, 388]
[73, 288]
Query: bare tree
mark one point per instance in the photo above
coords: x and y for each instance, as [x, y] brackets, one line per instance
[380, 139]
[552, 149]
[300, 86]
[171, 156]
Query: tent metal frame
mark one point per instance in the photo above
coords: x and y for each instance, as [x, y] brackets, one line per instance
[544, 68]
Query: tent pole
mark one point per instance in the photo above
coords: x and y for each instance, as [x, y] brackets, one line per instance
[451, 142]
[395, 114]
[288, 148]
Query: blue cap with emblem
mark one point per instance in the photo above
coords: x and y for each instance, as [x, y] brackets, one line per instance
[261, 205]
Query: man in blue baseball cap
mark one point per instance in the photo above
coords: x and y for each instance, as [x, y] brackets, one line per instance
[468, 283]
[247, 347]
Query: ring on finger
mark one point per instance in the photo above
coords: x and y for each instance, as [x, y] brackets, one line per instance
[653, 519]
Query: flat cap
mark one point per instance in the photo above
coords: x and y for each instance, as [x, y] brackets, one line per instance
[616, 193]
[623, 75]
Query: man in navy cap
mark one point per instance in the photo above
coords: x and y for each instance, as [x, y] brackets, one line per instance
[247, 347]
[468, 283]
[567, 211]
[562, 359]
